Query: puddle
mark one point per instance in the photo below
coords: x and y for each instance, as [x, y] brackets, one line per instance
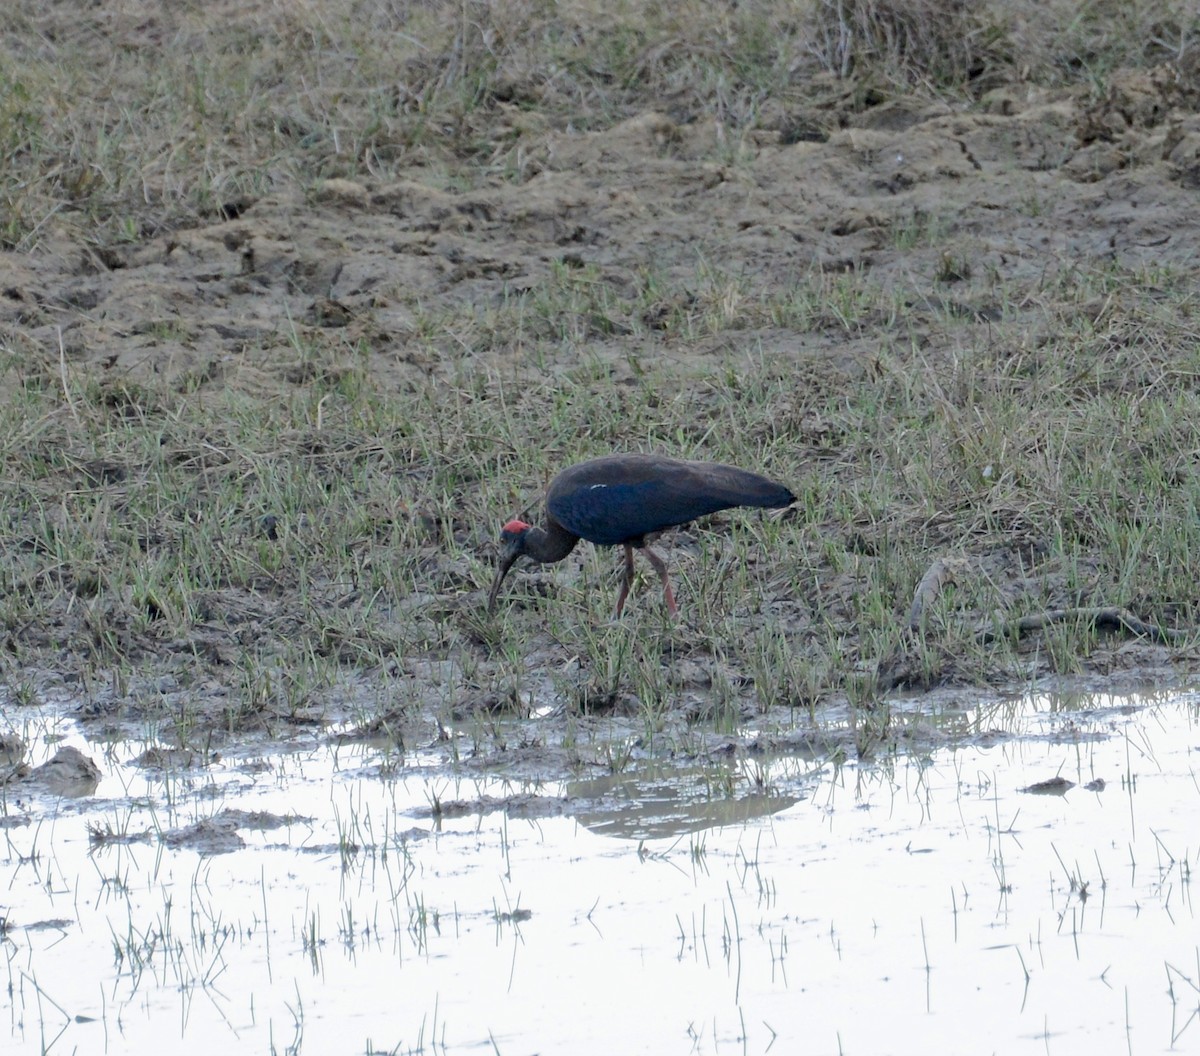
[915, 905]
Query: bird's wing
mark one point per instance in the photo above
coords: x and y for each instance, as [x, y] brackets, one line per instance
[608, 514]
[613, 501]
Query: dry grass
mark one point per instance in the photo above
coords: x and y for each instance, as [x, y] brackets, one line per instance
[953, 45]
[121, 119]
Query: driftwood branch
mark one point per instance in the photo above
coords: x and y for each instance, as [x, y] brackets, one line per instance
[898, 668]
[1103, 616]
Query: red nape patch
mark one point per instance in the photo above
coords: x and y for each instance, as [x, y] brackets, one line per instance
[514, 528]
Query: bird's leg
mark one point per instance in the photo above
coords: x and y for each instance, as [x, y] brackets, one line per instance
[626, 580]
[660, 566]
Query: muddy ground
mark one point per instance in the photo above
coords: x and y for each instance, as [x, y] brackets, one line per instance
[981, 221]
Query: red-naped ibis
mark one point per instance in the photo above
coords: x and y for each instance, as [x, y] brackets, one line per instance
[618, 500]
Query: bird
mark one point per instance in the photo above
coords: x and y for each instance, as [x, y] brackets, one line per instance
[618, 500]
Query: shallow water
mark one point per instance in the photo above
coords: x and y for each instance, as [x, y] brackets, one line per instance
[912, 905]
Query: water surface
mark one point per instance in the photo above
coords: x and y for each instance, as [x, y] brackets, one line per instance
[919, 903]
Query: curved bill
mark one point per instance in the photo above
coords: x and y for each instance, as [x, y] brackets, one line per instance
[507, 558]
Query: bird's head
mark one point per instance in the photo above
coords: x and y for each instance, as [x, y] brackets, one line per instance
[512, 546]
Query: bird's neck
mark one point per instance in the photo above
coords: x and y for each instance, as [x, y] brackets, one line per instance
[549, 544]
